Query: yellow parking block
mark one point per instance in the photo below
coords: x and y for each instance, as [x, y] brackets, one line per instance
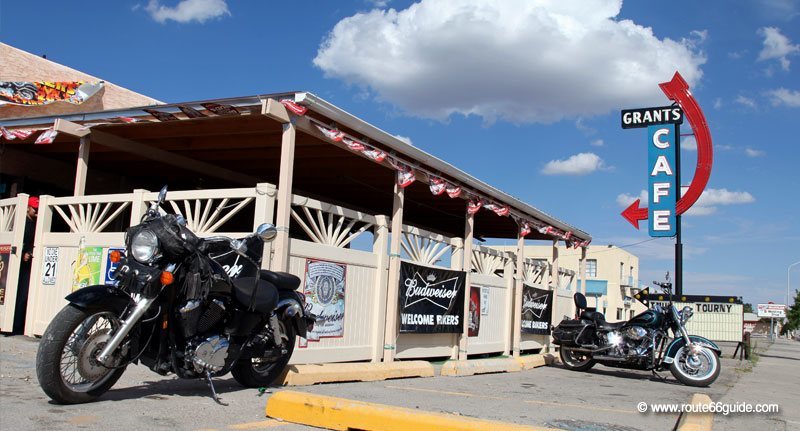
[534, 361]
[343, 414]
[302, 375]
[696, 421]
[480, 366]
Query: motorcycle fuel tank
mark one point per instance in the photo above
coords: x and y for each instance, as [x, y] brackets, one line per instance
[647, 319]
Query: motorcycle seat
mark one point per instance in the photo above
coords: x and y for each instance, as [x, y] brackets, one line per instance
[594, 316]
[281, 280]
[266, 295]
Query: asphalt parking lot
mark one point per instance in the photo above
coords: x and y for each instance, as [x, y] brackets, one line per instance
[602, 399]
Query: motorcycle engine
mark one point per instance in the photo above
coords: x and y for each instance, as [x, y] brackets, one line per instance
[632, 341]
[207, 354]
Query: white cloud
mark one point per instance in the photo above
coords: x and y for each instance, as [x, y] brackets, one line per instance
[717, 103]
[515, 60]
[706, 205]
[405, 139]
[753, 152]
[597, 143]
[689, 143]
[776, 46]
[379, 3]
[188, 10]
[579, 164]
[783, 96]
[625, 200]
[746, 101]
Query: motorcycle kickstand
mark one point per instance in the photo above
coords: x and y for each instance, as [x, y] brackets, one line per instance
[658, 377]
[213, 391]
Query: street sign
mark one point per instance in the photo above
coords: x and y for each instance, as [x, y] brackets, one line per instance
[662, 187]
[777, 311]
[643, 117]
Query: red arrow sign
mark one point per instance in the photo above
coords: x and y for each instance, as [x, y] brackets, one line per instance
[678, 91]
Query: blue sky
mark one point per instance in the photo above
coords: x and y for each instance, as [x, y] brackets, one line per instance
[523, 95]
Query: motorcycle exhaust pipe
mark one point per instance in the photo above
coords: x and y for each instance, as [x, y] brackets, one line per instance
[581, 350]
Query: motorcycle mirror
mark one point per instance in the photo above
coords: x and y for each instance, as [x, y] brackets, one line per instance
[266, 232]
[162, 195]
[580, 301]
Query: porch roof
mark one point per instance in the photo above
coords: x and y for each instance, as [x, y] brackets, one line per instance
[236, 150]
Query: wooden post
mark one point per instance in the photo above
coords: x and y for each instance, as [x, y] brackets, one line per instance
[518, 278]
[43, 223]
[264, 213]
[508, 274]
[555, 280]
[392, 291]
[280, 261]
[463, 342]
[380, 246]
[82, 166]
[14, 262]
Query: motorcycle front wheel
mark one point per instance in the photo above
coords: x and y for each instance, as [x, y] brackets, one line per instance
[575, 361]
[66, 363]
[701, 369]
[260, 372]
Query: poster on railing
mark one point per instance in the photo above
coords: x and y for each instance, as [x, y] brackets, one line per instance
[537, 309]
[474, 325]
[111, 267]
[87, 267]
[324, 290]
[431, 299]
[49, 266]
[5, 257]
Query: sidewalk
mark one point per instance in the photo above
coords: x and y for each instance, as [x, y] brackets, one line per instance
[774, 379]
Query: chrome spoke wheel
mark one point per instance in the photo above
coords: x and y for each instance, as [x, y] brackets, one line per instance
[80, 370]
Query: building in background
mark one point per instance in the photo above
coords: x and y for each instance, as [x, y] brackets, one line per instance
[611, 276]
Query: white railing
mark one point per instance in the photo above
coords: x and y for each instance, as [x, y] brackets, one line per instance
[488, 261]
[427, 248]
[535, 272]
[329, 224]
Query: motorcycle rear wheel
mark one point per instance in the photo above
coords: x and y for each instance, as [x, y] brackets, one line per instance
[575, 361]
[260, 372]
[66, 363]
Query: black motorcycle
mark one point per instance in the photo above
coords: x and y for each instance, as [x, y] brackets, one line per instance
[174, 308]
[641, 343]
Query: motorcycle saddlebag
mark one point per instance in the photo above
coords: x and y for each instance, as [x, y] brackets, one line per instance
[567, 333]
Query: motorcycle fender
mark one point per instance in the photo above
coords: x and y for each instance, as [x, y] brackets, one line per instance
[677, 344]
[289, 308]
[91, 297]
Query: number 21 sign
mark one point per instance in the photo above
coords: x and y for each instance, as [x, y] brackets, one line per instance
[50, 265]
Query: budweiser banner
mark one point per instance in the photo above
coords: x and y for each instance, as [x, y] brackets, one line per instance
[431, 299]
[324, 290]
[537, 308]
[41, 93]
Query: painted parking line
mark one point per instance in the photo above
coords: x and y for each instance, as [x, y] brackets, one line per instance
[490, 397]
[260, 425]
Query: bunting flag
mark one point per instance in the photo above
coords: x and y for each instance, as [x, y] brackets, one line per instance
[474, 205]
[7, 134]
[22, 133]
[353, 144]
[437, 185]
[524, 229]
[374, 154]
[546, 230]
[294, 107]
[47, 137]
[161, 116]
[501, 210]
[405, 177]
[332, 134]
[222, 110]
[42, 93]
[453, 191]
[191, 112]
[127, 119]
[568, 235]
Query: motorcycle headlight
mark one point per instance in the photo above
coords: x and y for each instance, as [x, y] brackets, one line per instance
[686, 314]
[144, 246]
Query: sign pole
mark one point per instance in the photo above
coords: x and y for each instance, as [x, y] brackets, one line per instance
[678, 243]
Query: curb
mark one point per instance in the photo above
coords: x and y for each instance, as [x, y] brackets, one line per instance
[529, 362]
[480, 366]
[696, 421]
[301, 375]
[343, 414]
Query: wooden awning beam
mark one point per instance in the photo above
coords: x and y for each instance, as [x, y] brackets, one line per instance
[153, 153]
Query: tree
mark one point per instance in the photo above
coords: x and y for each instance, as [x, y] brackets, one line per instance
[748, 308]
[792, 315]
